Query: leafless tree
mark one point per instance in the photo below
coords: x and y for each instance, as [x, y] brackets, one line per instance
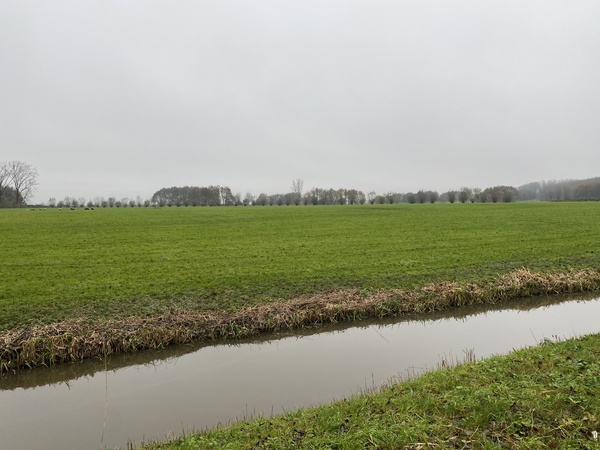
[355, 196]
[226, 197]
[451, 196]
[371, 197]
[494, 194]
[297, 187]
[237, 199]
[248, 199]
[464, 194]
[4, 179]
[23, 177]
[262, 199]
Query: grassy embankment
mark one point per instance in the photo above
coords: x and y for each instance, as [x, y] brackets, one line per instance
[545, 397]
[80, 283]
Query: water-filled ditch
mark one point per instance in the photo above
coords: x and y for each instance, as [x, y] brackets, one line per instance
[154, 394]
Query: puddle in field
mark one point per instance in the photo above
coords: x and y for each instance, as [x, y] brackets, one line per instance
[151, 395]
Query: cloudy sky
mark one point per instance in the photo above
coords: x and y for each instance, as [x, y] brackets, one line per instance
[123, 98]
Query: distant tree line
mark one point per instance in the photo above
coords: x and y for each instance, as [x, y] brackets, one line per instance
[110, 202]
[563, 190]
[195, 196]
[18, 181]
[315, 196]
[224, 196]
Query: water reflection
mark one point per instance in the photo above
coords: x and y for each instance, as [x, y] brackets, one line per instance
[151, 394]
[64, 373]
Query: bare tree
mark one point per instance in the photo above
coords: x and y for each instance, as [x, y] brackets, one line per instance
[371, 197]
[226, 197]
[355, 196]
[464, 194]
[451, 196]
[297, 187]
[237, 199]
[24, 180]
[262, 199]
[248, 199]
[4, 179]
[494, 194]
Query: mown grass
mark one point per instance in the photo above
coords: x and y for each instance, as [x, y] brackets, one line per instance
[112, 263]
[541, 397]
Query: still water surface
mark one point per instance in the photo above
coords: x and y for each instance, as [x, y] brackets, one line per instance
[151, 395]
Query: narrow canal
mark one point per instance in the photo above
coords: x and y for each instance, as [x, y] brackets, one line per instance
[153, 395]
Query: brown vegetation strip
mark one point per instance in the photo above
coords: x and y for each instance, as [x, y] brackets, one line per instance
[74, 340]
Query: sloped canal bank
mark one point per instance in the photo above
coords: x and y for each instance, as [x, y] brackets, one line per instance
[173, 390]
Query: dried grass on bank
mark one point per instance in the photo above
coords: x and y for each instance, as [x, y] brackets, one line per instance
[74, 340]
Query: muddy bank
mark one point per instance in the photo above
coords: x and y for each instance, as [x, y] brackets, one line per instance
[79, 339]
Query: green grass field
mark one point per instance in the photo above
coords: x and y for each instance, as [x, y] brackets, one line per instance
[134, 261]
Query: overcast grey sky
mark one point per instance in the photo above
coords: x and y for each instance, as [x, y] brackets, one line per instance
[126, 97]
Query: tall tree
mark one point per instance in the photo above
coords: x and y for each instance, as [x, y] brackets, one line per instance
[24, 180]
[464, 194]
[451, 196]
[297, 186]
[4, 180]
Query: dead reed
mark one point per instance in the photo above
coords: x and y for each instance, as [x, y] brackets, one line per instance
[74, 340]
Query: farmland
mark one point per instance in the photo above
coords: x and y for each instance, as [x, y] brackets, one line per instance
[112, 263]
[78, 284]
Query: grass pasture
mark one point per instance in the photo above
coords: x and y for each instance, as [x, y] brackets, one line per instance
[111, 263]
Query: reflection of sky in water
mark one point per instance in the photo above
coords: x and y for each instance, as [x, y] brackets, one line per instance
[216, 384]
